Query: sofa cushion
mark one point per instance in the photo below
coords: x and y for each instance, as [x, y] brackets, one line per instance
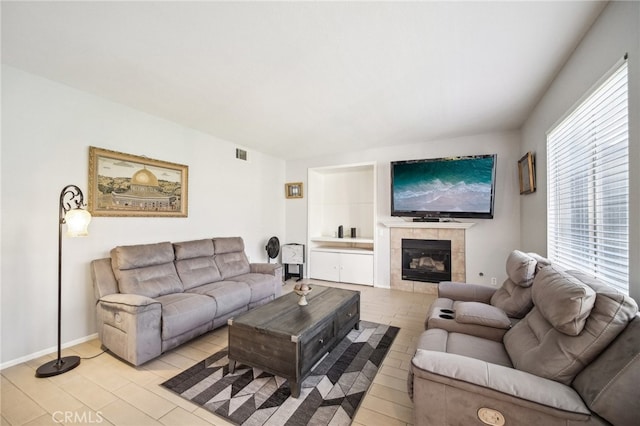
[146, 269]
[197, 271]
[442, 313]
[182, 312]
[232, 264]
[193, 249]
[439, 340]
[195, 263]
[541, 262]
[535, 346]
[563, 300]
[261, 285]
[521, 268]
[513, 299]
[228, 245]
[141, 255]
[229, 295]
[482, 314]
[609, 384]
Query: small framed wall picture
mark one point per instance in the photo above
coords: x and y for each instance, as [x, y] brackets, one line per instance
[527, 173]
[293, 190]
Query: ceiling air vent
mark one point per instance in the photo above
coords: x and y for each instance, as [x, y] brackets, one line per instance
[241, 154]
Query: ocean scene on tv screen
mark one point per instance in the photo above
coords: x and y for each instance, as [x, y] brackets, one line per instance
[446, 185]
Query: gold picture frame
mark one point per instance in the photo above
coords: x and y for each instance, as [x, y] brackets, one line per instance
[130, 185]
[527, 174]
[293, 190]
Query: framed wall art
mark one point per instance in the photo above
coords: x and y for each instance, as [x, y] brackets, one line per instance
[527, 174]
[131, 185]
[293, 190]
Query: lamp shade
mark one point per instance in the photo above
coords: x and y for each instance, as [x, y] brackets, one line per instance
[77, 221]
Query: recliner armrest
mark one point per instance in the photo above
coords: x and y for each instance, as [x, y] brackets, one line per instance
[465, 292]
[130, 326]
[132, 303]
[484, 377]
[274, 269]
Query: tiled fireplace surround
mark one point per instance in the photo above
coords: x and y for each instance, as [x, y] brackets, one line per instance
[453, 231]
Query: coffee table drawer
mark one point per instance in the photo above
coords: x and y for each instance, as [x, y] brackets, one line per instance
[314, 347]
[348, 314]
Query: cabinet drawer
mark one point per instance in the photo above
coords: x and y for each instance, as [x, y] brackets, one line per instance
[348, 313]
[312, 349]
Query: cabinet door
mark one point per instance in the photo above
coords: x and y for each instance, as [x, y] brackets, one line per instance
[356, 268]
[325, 265]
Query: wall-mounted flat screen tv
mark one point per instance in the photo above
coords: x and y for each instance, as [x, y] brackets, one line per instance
[452, 187]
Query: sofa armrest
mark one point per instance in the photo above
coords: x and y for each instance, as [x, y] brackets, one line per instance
[274, 269]
[465, 292]
[130, 326]
[517, 386]
[132, 303]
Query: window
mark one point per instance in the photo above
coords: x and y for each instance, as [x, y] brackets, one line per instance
[588, 185]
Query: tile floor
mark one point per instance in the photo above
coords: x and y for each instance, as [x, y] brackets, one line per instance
[106, 391]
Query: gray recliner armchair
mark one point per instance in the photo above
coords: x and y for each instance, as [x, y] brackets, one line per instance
[486, 311]
[574, 359]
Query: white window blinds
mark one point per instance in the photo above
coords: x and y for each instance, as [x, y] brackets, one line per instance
[588, 185]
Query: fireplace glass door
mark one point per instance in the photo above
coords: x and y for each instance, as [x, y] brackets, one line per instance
[426, 260]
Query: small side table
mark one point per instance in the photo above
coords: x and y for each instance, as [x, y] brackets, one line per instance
[293, 254]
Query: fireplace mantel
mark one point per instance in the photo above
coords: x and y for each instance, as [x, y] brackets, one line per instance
[428, 225]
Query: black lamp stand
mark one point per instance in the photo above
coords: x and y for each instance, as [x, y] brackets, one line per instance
[70, 197]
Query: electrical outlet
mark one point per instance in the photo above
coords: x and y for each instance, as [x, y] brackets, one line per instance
[494, 281]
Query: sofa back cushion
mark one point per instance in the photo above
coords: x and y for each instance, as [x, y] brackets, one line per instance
[145, 269]
[609, 384]
[564, 301]
[535, 345]
[195, 263]
[514, 297]
[230, 257]
[514, 300]
[541, 262]
[521, 268]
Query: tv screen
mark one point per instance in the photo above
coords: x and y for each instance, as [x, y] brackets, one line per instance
[452, 187]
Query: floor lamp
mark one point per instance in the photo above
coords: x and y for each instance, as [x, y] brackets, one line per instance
[77, 220]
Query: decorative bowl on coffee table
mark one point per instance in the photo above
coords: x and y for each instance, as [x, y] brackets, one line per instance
[303, 295]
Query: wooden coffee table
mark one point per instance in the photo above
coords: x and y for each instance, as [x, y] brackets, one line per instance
[286, 339]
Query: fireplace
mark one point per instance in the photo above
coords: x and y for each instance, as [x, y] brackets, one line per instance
[426, 260]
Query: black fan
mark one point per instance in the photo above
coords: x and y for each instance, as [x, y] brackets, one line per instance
[272, 248]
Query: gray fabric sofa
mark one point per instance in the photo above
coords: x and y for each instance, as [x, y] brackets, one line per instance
[574, 359]
[153, 297]
[485, 311]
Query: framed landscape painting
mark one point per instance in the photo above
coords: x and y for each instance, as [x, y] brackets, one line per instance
[130, 185]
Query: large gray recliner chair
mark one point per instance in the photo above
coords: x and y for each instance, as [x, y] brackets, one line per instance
[574, 359]
[153, 297]
[486, 311]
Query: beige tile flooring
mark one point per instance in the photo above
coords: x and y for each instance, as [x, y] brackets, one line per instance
[106, 391]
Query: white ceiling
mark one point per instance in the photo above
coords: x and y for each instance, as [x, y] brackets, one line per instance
[301, 79]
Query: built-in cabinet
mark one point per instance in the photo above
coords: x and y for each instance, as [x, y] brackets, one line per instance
[342, 196]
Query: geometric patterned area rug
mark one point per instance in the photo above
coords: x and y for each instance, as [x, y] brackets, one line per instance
[331, 393]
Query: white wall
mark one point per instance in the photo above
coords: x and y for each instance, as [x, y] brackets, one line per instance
[488, 242]
[47, 129]
[616, 32]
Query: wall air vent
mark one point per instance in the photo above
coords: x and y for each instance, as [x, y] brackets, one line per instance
[241, 154]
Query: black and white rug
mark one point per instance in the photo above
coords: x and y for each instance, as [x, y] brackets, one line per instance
[331, 394]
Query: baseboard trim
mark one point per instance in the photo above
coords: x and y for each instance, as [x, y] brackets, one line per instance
[47, 351]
